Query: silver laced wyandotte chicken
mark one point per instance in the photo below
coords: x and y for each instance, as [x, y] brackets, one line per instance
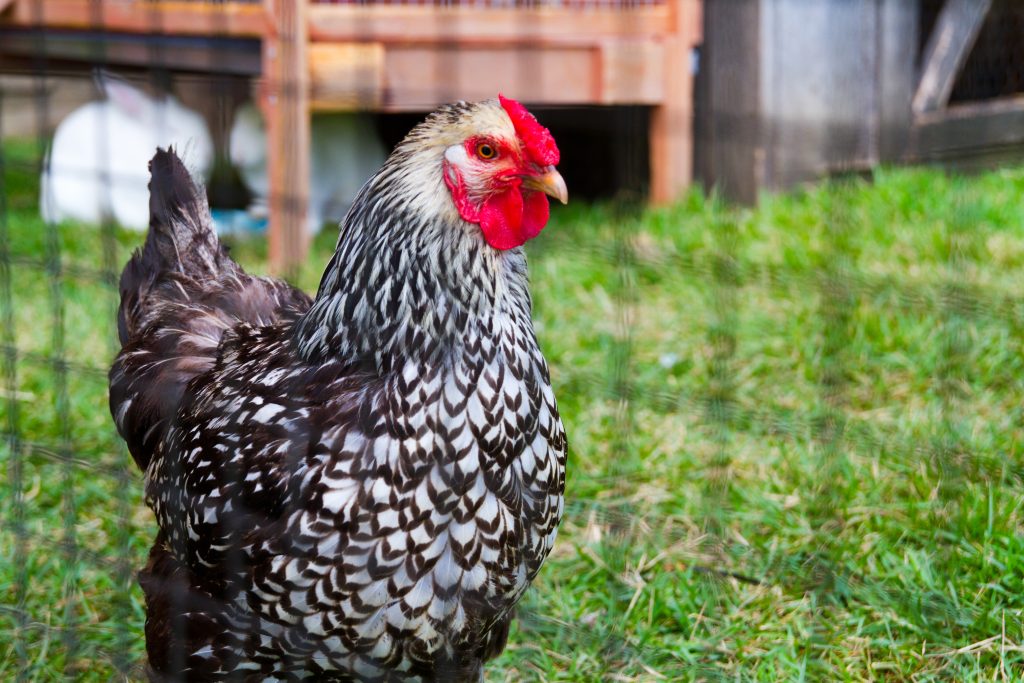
[358, 487]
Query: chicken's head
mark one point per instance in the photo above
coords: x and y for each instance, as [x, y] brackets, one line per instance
[500, 169]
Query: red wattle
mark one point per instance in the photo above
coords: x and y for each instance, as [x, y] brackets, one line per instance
[508, 222]
[501, 219]
[507, 219]
[535, 214]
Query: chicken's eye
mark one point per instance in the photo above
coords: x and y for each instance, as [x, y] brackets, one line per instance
[486, 151]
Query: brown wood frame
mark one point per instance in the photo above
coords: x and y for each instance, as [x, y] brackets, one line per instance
[166, 16]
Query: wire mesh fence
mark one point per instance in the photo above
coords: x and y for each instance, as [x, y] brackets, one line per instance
[794, 427]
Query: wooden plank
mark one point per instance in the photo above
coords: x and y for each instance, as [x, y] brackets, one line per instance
[951, 41]
[671, 133]
[898, 26]
[969, 130]
[346, 76]
[244, 19]
[236, 56]
[285, 98]
[733, 149]
[346, 23]
[818, 66]
[417, 77]
[481, 26]
[632, 72]
[420, 77]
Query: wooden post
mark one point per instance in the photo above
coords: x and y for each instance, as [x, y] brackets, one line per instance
[285, 99]
[898, 27]
[671, 134]
[734, 156]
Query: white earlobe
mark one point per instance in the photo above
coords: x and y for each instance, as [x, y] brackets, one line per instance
[456, 155]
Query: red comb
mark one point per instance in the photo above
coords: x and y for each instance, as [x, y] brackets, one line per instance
[539, 144]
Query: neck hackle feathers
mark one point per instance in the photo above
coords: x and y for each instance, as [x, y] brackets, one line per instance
[429, 238]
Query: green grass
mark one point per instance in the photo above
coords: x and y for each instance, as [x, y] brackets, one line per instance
[795, 439]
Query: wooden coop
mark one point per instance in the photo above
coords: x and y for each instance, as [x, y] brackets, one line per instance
[409, 55]
[791, 91]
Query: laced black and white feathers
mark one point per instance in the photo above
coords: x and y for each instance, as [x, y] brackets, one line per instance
[360, 487]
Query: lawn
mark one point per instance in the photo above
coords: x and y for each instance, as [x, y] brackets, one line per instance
[795, 439]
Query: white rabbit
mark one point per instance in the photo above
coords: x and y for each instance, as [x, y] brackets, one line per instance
[345, 152]
[98, 164]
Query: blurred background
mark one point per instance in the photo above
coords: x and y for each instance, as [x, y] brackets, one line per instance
[783, 309]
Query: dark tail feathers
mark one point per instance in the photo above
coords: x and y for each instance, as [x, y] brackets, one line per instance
[181, 238]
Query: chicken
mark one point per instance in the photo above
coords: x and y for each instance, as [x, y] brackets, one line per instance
[358, 487]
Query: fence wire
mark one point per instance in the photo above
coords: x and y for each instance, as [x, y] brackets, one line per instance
[794, 428]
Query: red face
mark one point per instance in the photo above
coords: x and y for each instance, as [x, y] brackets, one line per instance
[501, 183]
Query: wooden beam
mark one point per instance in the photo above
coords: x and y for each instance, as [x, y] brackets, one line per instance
[482, 26]
[346, 76]
[420, 77]
[285, 99]
[950, 43]
[671, 134]
[632, 72]
[344, 23]
[403, 77]
[241, 19]
[215, 54]
[969, 130]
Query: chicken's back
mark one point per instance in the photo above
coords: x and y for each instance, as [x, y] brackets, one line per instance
[179, 294]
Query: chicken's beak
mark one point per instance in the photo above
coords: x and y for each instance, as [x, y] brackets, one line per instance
[550, 182]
